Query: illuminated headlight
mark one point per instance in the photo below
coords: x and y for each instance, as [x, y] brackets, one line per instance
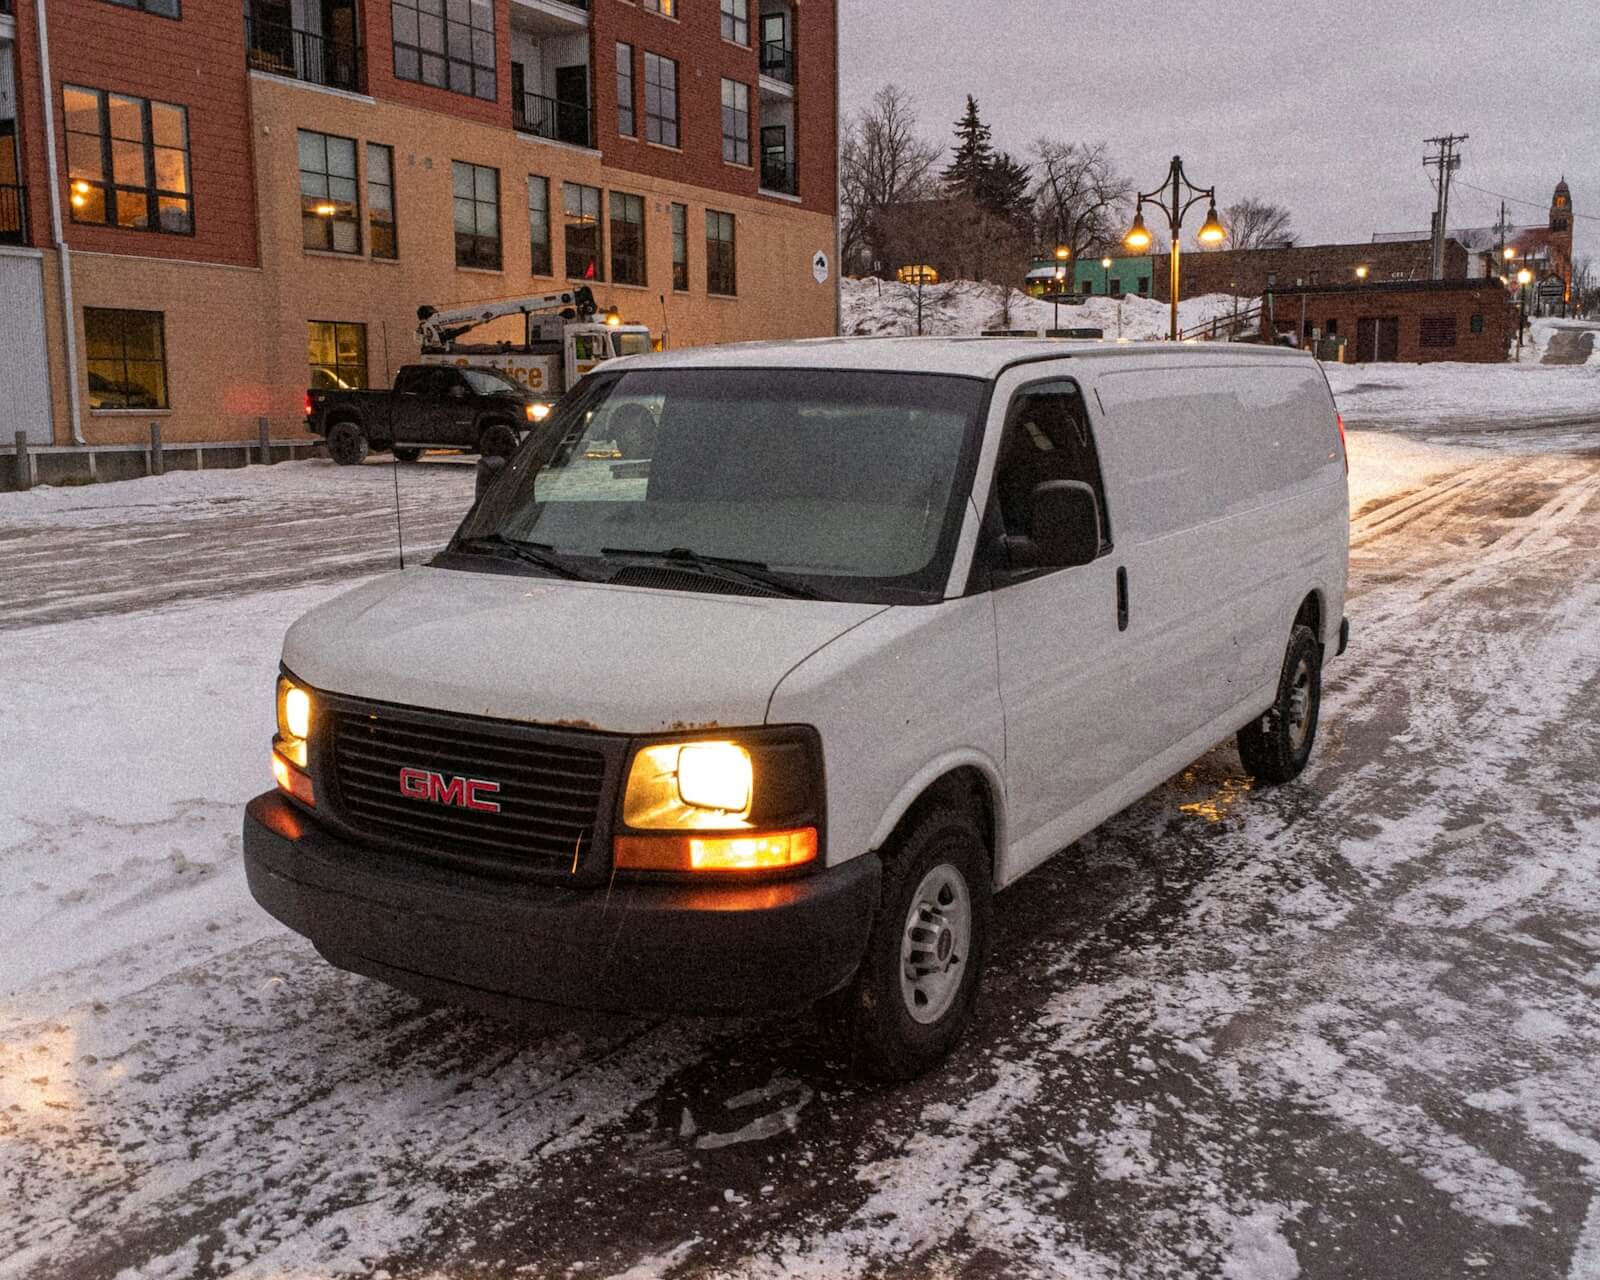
[538, 412]
[290, 748]
[749, 804]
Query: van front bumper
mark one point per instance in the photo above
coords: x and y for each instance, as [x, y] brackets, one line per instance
[631, 947]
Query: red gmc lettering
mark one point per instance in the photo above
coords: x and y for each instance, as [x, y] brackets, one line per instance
[461, 793]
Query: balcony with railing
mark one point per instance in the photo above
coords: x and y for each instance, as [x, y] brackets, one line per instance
[13, 213]
[283, 50]
[544, 117]
[777, 61]
[778, 174]
[560, 10]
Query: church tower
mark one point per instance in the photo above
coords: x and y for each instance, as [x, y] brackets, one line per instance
[1561, 235]
[1561, 208]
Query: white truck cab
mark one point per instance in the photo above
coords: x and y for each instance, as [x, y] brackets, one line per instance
[756, 704]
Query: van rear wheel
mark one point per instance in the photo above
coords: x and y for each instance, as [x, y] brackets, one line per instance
[917, 985]
[1275, 747]
[347, 444]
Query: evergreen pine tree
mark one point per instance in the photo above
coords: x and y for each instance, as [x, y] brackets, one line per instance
[1005, 190]
[967, 171]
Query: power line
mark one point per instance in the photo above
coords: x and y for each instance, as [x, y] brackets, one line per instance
[1532, 204]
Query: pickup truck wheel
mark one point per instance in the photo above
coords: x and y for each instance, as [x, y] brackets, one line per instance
[403, 454]
[918, 982]
[347, 444]
[497, 441]
[1275, 747]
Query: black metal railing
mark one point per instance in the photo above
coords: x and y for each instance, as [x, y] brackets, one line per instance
[302, 55]
[13, 214]
[547, 118]
[777, 61]
[5, 6]
[778, 175]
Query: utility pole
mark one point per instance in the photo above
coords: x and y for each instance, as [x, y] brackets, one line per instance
[1501, 227]
[1447, 160]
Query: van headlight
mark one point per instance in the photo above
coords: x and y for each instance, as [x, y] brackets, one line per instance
[291, 745]
[748, 802]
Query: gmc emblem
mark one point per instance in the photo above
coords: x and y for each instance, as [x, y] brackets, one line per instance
[463, 793]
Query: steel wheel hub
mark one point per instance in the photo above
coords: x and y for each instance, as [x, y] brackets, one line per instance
[1300, 706]
[936, 944]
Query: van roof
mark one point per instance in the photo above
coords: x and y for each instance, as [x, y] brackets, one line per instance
[972, 357]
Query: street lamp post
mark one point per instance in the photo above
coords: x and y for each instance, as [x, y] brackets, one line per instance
[1174, 189]
[1062, 254]
[1105, 272]
[1524, 279]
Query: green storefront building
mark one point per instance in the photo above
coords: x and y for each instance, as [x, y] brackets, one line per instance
[1090, 276]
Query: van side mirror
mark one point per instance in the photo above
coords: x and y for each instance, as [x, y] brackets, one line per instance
[1063, 527]
[489, 468]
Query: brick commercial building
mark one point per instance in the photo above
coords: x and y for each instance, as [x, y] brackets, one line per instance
[1400, 320]
[198, 207]
[1249, 273]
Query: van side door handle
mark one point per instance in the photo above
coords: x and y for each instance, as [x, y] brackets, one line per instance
[1122, 598]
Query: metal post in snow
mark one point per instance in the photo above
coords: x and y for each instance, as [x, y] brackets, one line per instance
[24, 462]
[266, 448]
[158, 464]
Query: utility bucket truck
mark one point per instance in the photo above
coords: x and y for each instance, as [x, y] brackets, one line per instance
[565, 337]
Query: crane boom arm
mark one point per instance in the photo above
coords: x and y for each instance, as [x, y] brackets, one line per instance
[435, 328]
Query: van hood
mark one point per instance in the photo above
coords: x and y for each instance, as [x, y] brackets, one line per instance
[550, 651]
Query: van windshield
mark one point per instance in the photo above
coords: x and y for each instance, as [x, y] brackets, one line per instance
[849, 485]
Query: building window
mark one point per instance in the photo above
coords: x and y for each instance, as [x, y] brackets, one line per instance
[625, 122]
[476, 189]
[1116, 286]
[338, 354]
[660, 100]
[448, 46]
[1144, 286]
[667, 7]
[721, 276]
[1477, 324]
[330, 214]
[166, 8]
[381, 232]
[735, 122]
[582, 230]
[736, 21]
[1438, 331]
[627, 238]
[127, 359]
[128, 161]
[539, 224]
[680, 248]
[1272, 279]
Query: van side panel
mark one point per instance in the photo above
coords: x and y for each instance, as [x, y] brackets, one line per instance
[1227, 495]
[904, 697]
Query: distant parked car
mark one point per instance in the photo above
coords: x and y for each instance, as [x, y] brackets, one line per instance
[105, 394]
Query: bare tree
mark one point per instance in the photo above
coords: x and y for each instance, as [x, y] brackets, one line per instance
[1082, 201]
[883, 163]
[1256, 224]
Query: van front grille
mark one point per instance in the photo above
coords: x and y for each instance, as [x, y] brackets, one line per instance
[403, 777]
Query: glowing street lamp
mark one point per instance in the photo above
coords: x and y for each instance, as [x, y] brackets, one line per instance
[1062, 254]
[1524, 279]
[1361, 273]
[1169, 198]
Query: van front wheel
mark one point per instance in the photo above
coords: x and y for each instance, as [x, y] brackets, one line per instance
[1276, 746]
[918, 983]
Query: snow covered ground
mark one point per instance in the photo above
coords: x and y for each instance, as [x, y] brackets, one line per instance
[1344, 1028]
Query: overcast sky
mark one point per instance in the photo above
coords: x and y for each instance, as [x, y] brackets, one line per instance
[1322, 107]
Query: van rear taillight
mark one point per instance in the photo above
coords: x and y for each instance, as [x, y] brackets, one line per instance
[1343, 447]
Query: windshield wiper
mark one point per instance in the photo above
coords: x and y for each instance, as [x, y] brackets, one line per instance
[750, 572]
[539, 554]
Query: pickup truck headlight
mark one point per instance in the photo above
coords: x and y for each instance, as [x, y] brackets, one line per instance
[290, 747]
[748, 803]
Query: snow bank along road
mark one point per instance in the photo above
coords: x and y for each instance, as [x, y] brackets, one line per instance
[1345, 1028]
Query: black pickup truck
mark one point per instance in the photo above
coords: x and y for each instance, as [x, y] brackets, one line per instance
[433, 406]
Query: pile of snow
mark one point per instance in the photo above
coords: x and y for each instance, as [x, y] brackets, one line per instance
[885, 308]
[1458, 394]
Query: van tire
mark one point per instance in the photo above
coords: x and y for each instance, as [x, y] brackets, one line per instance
[405, 453]
[940, 859]
[497, 441]
[347, 444]
[1276, 746]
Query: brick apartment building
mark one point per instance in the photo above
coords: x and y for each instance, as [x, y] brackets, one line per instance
[199, 206]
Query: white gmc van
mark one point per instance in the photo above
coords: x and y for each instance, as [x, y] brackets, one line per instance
[760, 669]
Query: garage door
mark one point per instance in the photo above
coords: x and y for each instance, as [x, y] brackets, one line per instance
[24, 366]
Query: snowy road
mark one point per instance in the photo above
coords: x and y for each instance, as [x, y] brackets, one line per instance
[1345, 1028]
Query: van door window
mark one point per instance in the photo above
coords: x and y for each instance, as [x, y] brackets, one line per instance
[1046, 437]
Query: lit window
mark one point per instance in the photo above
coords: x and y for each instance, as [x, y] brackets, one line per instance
[127, 161]
[330, 212]
[667, 7]
[337, 353]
